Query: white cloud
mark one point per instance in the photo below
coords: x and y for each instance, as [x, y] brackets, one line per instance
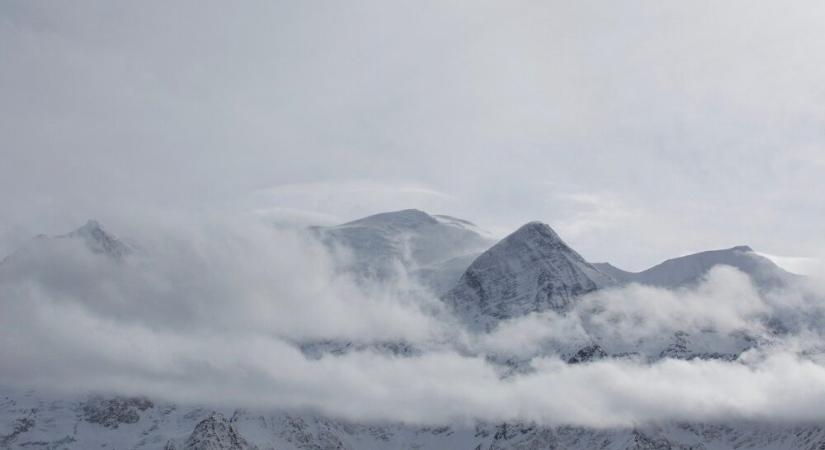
[348, 199]
[801, 265]
[655, 104]
[211, 314]
[239, 274]
[679, 125]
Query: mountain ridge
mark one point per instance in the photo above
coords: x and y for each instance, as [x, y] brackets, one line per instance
[531, 270]
[431, 248]
[687, 270]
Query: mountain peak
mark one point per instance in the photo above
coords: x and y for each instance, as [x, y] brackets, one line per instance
[406, 218]
[214, 432]
[91, 226]
[530, 270]
[689, 269]
[91, 229]
[535, 229]
[437, 249]
[99, 240]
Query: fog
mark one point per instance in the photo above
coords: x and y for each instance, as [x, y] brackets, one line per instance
[639, 130]
[214, 312]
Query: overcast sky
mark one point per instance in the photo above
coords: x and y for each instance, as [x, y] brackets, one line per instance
[639, 130]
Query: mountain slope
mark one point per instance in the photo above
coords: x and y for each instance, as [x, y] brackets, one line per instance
[99, 240]
[91, 235]
[29, 420]
[213, 433]
[530, 270]
[687, 270]
[433, 249]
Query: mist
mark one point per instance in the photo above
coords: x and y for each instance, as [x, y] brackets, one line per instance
[216, 312]
[694, 125]
[209, 139]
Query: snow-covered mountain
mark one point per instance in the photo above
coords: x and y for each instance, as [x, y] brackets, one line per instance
[433, 248]
[99, 240]
[92, 235]
[687, 270]
[531, 270]
[31, 421]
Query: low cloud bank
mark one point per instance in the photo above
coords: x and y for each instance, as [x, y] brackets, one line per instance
[213, 314]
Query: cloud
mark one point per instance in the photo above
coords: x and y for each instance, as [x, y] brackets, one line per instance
[725, 301]
[224, 277]
[185, 108]
[798, 264]
[434, 388]
[210, 313]
[345, 200]
[625, 123]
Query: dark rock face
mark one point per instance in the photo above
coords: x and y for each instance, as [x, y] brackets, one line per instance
[523, 436]
[20, 426]
[317, 349]
[113, 412]
[312, 433]
[214, 433]
[593, 352]
[680, 348]
[99, 240]
[531, 270]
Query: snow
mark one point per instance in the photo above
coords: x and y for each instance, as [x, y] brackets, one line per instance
[687, 270]
[385, 246]
[29, 420]
[530, 271]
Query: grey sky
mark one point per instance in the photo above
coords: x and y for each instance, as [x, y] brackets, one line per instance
[639, 130]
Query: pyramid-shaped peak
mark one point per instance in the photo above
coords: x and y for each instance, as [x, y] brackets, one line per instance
[92, 228]
[534, 235]
[535, 228]
[91, 225]
[531, 270]
[742, 248]
[99, 240]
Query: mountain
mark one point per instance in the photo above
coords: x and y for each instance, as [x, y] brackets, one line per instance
[99, 240]
[91, 235]
[530, 270]
[213, 433]
[31, 421]
[433, 248]
[687, 270]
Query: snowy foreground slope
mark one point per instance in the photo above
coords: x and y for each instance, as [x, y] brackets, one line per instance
[29, 421]
[489, 287]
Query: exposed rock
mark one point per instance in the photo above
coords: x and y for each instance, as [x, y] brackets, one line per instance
[215, 433]
[531, 270]
[112, 412]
